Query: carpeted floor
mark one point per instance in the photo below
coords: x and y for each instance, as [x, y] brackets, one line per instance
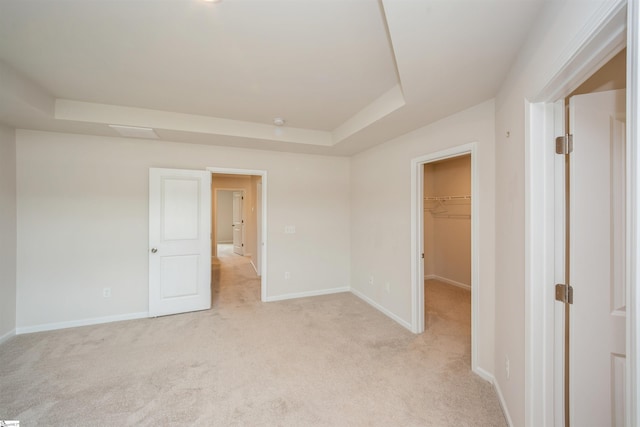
[330, 361]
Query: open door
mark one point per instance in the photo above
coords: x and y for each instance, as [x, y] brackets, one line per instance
[179, 241]
[597, 259]
[238, 223]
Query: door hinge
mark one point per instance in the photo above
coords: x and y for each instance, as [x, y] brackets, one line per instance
[564, 144]
[564, 293]
[422, 255]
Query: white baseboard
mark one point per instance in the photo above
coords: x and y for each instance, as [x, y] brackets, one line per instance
[255, 268]
[8, 336]
[307, 294]
[490, 378]
[82, 322]
[381, 309]
[447, 281]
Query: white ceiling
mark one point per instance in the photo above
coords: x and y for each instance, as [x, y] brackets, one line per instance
[345, 74]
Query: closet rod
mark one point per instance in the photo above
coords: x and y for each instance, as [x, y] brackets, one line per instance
[442, 198]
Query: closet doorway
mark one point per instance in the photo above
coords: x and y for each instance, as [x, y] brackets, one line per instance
[447, 247]
[445, 234]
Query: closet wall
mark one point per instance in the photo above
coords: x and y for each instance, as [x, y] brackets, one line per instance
[447, 221]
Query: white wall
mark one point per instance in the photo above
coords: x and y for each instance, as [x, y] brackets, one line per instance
[83, 221]
[224, 216]
[552, 40]
[381, 214]
[7, 232]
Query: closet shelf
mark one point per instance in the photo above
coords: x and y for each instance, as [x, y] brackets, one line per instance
[444, 198]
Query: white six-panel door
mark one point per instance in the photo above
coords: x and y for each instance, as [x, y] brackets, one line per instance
[597, 259]
[179, 241]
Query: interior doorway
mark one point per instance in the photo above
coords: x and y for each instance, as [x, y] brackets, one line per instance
[592, 323]
[585, 225]
[446, 212]
[246, 192]
[229, 219]
[447, 247]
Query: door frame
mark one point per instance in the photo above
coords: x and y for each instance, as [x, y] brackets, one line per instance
[595, 45]
[417, 243]
[214, 244]
[262, 246]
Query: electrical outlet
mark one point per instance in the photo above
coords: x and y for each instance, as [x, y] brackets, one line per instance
[106, 292]
[289, 229]
[371, 280]
[287, 275]
[506, 366]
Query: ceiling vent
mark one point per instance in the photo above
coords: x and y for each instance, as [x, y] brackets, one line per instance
[134, 131]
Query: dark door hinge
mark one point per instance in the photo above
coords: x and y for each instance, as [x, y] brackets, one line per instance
[564, 293]
[564, 144]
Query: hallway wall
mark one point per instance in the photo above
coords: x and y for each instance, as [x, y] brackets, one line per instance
[223, 216]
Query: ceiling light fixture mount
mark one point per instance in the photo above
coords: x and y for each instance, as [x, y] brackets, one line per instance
[278, 121]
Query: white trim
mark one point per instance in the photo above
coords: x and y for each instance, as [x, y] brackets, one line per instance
[540, 236]
[8, 336]
[503, 403]
[464, 286]
[633, 214]
[82, 322]
[380, 308]
[306, 294]
[263, 174]
[599, 40]
[254, 267]
[417, 249]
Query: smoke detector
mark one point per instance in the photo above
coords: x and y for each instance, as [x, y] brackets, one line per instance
[278, 121]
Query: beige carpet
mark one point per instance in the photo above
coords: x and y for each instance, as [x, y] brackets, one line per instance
[330, 360]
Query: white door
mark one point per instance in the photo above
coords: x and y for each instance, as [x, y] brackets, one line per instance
[238, 223]
[179, 241]
[597, 259]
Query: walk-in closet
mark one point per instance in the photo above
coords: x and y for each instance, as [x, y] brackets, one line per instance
[447, 243]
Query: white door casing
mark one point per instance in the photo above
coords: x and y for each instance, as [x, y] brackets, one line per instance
[597, 259]
[238, 222]
[259, 227]
[179, 241]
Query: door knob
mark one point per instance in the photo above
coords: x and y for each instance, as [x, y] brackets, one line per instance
[154, 250]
